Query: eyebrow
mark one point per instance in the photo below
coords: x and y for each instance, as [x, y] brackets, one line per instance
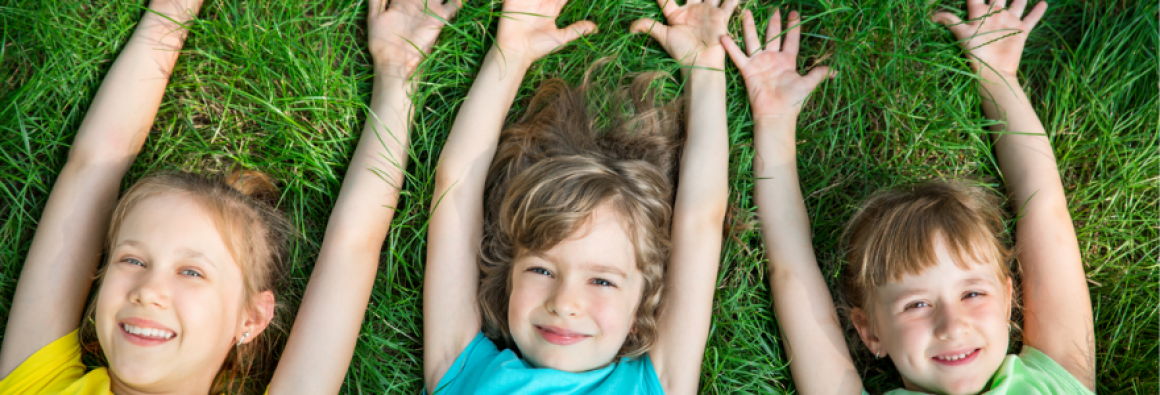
[595, 267]
[606, 269]
[184, 252]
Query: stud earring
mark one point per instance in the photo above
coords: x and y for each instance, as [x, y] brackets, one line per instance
[244, 336]
[876, 354]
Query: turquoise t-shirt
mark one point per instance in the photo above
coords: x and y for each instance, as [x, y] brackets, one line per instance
[484, 370]
[1031, 372]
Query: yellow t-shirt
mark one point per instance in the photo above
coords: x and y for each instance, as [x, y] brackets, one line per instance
[56, 369]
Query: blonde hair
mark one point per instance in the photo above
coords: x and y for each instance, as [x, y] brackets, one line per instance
[555, 167]
[256, 235]
[895, 232]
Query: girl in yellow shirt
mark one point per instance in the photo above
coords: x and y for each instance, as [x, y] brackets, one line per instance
[188, 287]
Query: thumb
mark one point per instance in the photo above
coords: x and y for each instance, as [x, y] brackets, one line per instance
[577, 30]
[818, 74]
[952, 22]
[658, 31]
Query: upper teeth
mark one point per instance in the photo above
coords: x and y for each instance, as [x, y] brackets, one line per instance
[955, 357]
[148, 332]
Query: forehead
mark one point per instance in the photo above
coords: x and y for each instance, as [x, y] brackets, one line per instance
[173, 223]
[943, 275]
[602, 244]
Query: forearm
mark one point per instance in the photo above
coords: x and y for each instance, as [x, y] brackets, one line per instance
[703, 190]
[121, 114]
[472, 141]
[801, 300]
[1021, 143]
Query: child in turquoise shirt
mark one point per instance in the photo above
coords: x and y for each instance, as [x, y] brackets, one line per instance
[927, 278]
[553, 246]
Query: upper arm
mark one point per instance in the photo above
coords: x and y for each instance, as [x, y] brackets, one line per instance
[66, 249]
[1057, 316]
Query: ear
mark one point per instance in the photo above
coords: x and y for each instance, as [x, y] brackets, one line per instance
[258, 319]
[865, 330]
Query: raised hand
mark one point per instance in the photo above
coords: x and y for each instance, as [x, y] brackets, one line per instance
[179, 10]
[692, 36]
[770, 70]
[401, 32]
[995, 35]
[528, 30]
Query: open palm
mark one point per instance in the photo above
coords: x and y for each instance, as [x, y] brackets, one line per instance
[770, 71]
[404, 31]
[693, 33]
[995, 34]
[528, 28]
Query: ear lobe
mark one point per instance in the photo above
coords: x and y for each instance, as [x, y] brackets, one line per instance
[257, 320]
[865, 330]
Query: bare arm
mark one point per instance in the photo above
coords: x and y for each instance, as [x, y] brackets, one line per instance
[1057, 306]
[804, 307]
[54, 283]
[451, 316]
[692, 37]
[326, 329]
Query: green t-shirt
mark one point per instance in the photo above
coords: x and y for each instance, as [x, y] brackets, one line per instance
[1031, 372]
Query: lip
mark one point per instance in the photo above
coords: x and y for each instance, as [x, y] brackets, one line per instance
[560, 336]
[973, 353]
[143, 340]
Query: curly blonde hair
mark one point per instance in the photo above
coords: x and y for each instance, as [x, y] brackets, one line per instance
[555, 166]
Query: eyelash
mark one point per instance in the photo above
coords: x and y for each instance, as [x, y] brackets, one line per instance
[195, 273]
[133, 261]
[540, 271]
[965, 296]
[603, 283]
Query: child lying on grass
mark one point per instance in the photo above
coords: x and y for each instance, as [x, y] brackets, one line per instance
[189, 283]
[549, 255]
[928, 280]
[193, 260]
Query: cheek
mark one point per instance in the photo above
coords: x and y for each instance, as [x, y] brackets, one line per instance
[523, 299]
[613, 313]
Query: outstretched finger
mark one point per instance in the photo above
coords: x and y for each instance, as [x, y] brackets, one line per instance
[576, 30]
[658, 31]
[976, 8]
[771, 39]
[377, 6]
[729, 6]
[1017, 7]
[952, 22]
[1035, 15]
[795, 33]
[450, 8]
[735, 53]
[668, 6]
[998, 4]
[819, 74]
[749, 27]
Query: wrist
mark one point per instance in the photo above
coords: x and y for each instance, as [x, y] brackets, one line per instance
[389, 70]
[511, 59]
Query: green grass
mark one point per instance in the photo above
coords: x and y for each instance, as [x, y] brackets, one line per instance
[282, 88]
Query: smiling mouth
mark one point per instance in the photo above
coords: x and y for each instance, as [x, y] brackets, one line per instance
[957, 359]
[143, 336]
[560, 336]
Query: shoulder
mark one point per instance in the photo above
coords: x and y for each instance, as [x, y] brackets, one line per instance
[56, 368]
[1033, 372]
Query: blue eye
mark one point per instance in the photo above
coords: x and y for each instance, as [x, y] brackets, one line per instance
[540, 270]
[602, 282]
[915, 305]
[191, 273]
[973, 294]
[133, 261]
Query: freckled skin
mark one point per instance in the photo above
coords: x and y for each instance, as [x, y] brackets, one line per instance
[155, 274]
[944, 310]
[560, 288]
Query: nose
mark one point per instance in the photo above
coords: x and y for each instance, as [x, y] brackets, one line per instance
[150, 289]
[566, 300]
[952, 322]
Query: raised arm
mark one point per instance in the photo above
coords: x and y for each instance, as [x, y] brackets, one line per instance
[326, 329]
[693, 38]
[804, 307]
[451, 315]
[1056, 305]
[54, 282]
